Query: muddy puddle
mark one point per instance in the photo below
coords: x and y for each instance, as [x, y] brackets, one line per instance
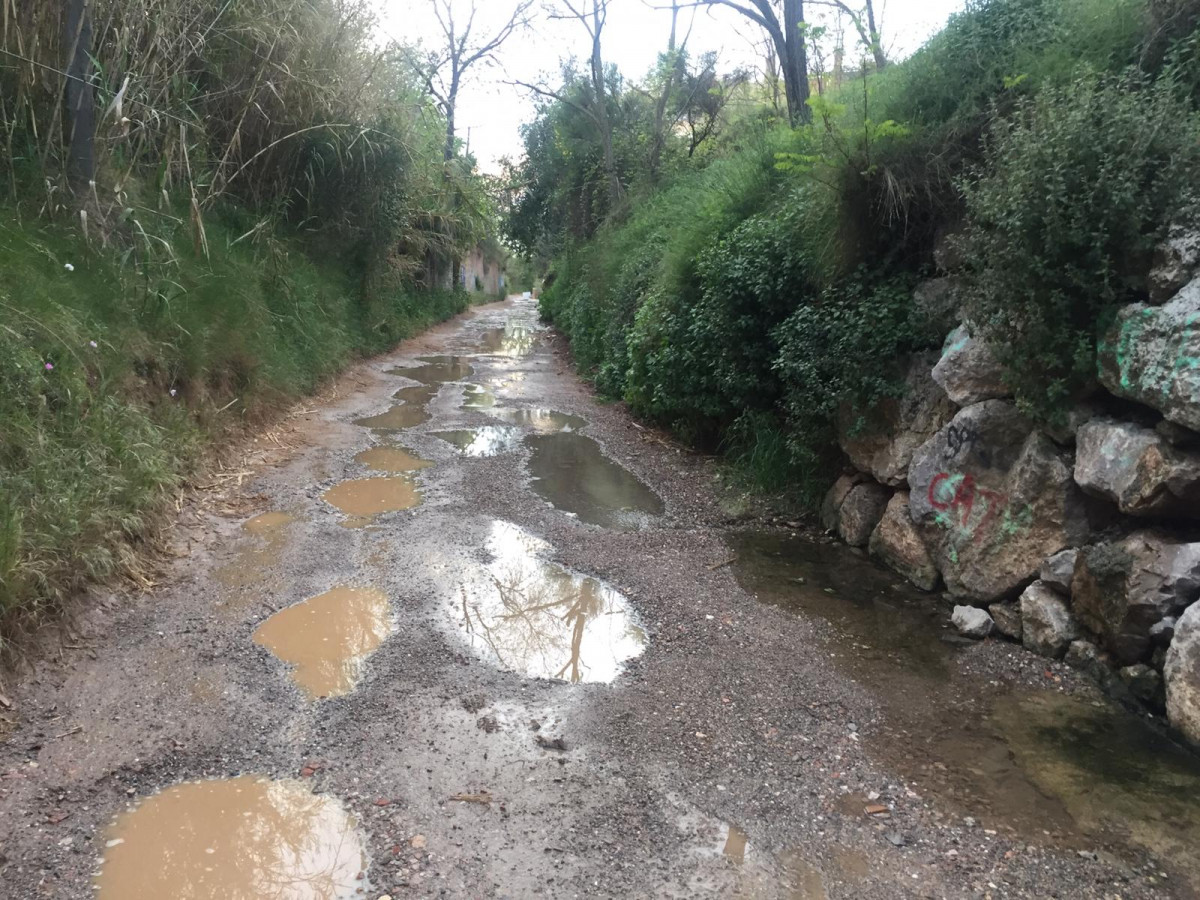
[436, 370]
[543, 421]
[477, 397]
[248, 567]
[397, 418]
[243, 838]
[327, 639]
[417, 394]
[490, 440]
[573, 474]
[1043, 765]
[392, 459]
[526, 614]
[514, 340]
[367, 498]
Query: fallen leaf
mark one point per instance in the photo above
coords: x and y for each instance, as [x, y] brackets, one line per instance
[483, 799]
[382, 802]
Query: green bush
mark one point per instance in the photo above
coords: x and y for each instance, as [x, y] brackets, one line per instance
[1077, 188]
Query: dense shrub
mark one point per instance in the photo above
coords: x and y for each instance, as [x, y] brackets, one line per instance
[1078, 187]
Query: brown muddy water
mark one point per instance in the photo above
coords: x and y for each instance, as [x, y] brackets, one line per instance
[437, 370]
[393, 460]
[327, 639]
[1040, 764]
[397, 418]
[573, 474]
[542, 421]
[371, 497]
[490, 440]
[525, 614]
[244, 838]
[248, 567]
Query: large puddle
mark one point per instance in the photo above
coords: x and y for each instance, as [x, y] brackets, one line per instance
[437, 370]
[477, 397]
[244, 838]
[1037, 762]
[528, 615]
[490, 440]
[328, 638]
[514, 340]
[572, 473]
[248, 567]
[393, 460]
[397, 418]
[543, 421]
[367, 498]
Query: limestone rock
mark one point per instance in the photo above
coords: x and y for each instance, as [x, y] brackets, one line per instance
[831, 508]
[1007, 619]
[1182, 675]
[1058, 570]
[882, 440]
[897, 543]
[1046, 623]
[1175, 262]
[972, 622]
[1122, 590]
[1152, 355]
[993, 499]
[1137, 469]
[967, 370]
[861, 511]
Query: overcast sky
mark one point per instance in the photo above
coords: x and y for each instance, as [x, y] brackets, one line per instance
[494, 111]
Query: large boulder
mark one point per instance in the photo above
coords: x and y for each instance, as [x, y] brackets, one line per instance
[1182, 675]
[1137, 469]
[831, 508]
[968, 372]
[882, 440]
[1152, 355]
[897, 543]
[1047, 626]
[994, 498]
[861, 511]
[1175, 262]
[1122, 591]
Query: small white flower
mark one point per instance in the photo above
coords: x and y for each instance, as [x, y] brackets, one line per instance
[69, 267]
[172, 392]
[93, 344]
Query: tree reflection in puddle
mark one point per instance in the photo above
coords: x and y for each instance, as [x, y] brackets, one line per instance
[490, 440]
[527, 615]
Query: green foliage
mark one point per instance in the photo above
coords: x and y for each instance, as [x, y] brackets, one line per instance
[1078, 186]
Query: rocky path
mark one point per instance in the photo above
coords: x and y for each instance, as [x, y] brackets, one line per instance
[479, 635]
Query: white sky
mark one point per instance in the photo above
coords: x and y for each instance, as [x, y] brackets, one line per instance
[633, 38]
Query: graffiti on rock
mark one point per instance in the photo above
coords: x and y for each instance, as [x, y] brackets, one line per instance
[972, 512]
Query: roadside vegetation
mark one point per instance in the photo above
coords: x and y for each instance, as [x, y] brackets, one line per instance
[205, 213]
[744, 289]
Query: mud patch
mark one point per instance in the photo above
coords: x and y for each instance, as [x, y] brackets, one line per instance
[244, 838]
[543, 421]
[573, 474]
[490, 440]
[393, 460]
[371, 497]
[437, 370]
[525, 614]
[397, 418]
[328, 638]
[248, 568]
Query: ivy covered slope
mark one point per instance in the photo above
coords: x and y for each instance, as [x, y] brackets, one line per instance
[744, 292]
[268, 200]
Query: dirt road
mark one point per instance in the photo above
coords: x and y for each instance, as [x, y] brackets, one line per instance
[479, 635]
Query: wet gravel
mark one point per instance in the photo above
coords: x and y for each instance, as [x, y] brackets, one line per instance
[472, 781]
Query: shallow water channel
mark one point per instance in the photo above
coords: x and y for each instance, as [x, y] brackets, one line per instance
[1047, 766]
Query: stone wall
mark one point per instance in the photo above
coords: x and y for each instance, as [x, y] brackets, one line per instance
[482, 273]
[1080, 542]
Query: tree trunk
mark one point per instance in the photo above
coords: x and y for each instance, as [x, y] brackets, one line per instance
[793, 60]
[606, 136]
[660, 109]
[80, 95]
[451, 108]
[876, 40]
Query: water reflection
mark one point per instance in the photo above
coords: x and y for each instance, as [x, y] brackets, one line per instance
[239, 839]
[527, 615]
[437, 370]
[572, 472]
[396, 419]
[490, 440]
[543, 421]
[477, 397]
[514, 340]
[328, 638]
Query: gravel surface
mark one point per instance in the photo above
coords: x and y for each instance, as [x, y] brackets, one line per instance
[754, 749]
